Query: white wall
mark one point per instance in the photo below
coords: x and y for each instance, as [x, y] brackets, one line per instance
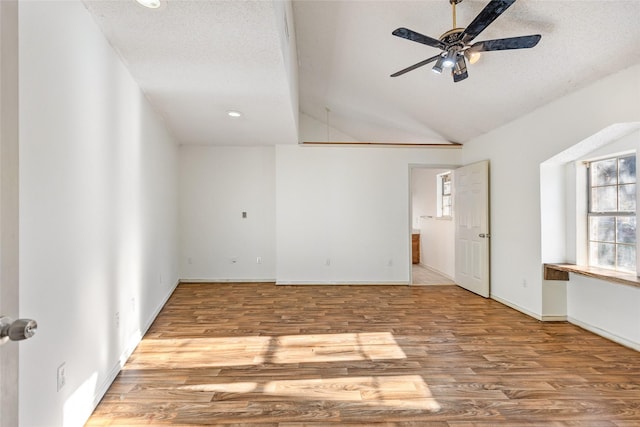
[312, 130]
[217, 184]
[590, 302]
[98, 215]
[516, 151]
[348, 208]
[437, 236]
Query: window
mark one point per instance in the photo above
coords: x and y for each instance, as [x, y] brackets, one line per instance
[445, 198]
[612, 213]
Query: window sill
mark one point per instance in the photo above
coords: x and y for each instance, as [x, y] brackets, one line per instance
[561, 272]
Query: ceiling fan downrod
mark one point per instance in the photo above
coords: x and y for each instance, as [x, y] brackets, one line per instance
[453, 11]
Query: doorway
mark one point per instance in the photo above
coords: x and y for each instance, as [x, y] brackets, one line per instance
[432, 227]
[9, 206]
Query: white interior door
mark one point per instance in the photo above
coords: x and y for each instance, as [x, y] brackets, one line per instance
[9, 205]
[471, 213]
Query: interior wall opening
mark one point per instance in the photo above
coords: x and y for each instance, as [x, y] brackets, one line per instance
[432, 227]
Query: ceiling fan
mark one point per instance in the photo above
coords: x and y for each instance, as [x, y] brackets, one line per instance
[455, 43]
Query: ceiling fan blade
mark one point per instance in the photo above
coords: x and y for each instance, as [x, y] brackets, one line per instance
[484, 18]
[522, 42]
[459, 71]
[414, 66]
[408, 34]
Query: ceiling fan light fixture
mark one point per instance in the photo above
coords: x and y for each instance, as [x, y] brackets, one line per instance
[450, 60]
[472, 56]
[437, 68]
[151, 4]
[461, 66]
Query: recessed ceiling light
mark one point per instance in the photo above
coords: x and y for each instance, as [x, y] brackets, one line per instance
[233, 113]
[151, 4]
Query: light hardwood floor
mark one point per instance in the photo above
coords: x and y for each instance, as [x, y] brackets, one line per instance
[261, 355]
[421, 275]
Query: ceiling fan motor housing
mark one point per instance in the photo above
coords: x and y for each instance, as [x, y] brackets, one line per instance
[453, 36]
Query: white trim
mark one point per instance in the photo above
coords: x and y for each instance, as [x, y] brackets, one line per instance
[437, 271]
[554, 318]
[434, 284]
[517, 307]
[608, 335]
[344, 282]
[134, 340]
[226, 280]
[540, 317]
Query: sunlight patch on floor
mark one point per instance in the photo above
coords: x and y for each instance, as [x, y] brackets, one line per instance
[399, 391]
[337, 347]
[257, 350]
[200, 352]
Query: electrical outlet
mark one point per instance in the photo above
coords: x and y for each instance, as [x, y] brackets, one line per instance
[117, 319]
[61, 376]
[259, 260]
[524, 283]
[327, 262]
[189, 261]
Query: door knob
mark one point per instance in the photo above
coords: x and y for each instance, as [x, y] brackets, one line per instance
[16, 330]
[483, 235]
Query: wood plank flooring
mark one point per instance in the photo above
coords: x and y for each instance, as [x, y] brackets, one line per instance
[266, 355]
[422, 275]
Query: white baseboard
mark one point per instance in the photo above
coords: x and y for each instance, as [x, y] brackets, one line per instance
[131, 345]
[438, 271]
[516, 307]
[542, 318]
[554, 318]
[227, 280]
[605, 334]
[343, 282]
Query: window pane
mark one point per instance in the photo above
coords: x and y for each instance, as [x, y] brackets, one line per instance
[446, 205]
[626, 230]
[602, 254]
[627, 170]
[604, 172]
[603, 199]
[626, 258]
[446, 188]
[602, 228]
[627, 197]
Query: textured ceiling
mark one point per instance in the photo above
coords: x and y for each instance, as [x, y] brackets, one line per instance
[347, 52]
[197, 59]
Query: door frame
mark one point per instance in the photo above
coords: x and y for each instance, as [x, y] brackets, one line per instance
[413, 166]
[9, 192]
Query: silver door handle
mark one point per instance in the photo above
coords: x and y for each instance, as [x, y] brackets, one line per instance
[16, 330]
[483, 235]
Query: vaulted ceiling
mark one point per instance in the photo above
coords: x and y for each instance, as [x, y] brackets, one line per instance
[331, 62]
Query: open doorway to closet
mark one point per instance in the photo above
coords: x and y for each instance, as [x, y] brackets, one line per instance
[433, 230]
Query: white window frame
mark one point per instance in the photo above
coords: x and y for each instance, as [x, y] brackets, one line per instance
[617, 214]
[440, 187]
